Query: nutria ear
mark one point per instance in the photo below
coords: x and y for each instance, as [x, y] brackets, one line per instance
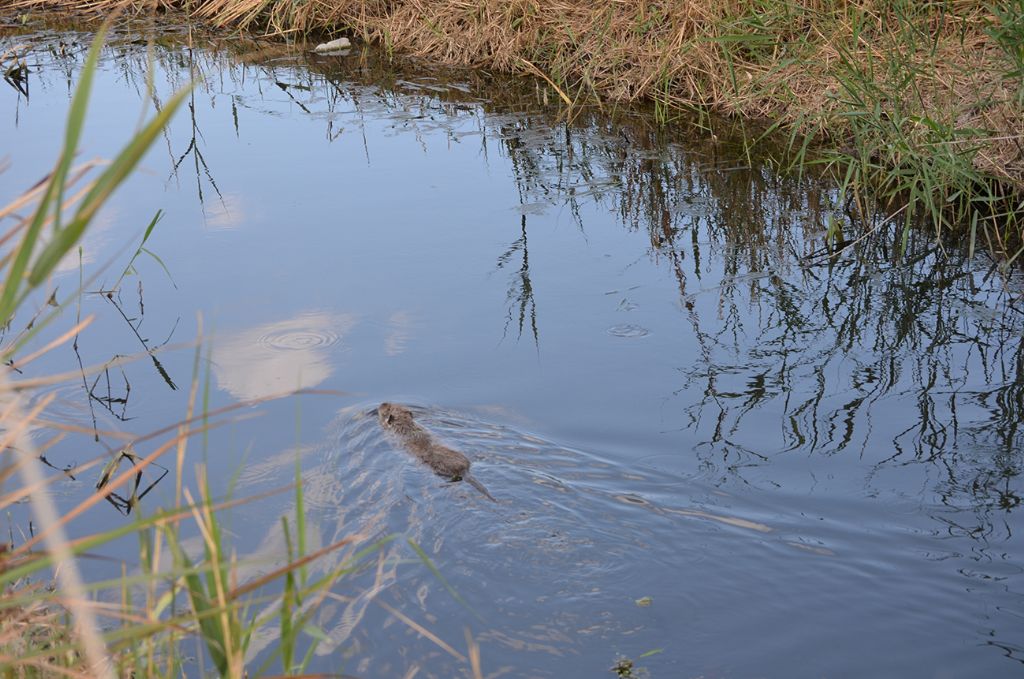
[391, 418]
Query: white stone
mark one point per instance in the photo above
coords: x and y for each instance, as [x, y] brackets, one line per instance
[333, 45]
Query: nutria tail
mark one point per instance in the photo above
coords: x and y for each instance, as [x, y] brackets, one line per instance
[479, 486]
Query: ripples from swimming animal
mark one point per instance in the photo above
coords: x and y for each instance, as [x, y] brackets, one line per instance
[547, 579]
[539, 576]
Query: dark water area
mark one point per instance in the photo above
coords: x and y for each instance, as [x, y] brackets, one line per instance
[716, 449]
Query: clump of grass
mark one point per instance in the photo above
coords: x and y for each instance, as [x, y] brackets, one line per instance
[928, 158]
[1007, 30]
[32, 625]
[919, 101]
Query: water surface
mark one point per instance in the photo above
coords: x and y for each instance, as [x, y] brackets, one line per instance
[710, 440]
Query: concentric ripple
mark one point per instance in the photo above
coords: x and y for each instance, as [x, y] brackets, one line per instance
[628, 330]
[298, 339]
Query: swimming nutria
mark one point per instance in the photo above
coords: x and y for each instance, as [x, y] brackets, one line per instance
[451, 464]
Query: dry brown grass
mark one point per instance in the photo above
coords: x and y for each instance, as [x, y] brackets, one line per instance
[33, 625]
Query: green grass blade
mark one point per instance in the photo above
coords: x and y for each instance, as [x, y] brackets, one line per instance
[162, 265]
[130, 267]
[211, 631]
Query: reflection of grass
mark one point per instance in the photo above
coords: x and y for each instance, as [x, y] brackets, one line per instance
[520, 294]
[57, 631]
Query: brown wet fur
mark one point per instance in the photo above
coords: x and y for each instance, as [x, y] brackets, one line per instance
[451, 464]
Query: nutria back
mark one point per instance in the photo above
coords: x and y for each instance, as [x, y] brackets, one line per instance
[451, 464]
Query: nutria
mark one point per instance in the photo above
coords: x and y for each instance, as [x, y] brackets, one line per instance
[451, 464]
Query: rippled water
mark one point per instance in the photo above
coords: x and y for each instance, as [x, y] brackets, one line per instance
[716, 448]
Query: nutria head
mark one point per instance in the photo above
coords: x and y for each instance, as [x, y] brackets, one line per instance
[392, 415]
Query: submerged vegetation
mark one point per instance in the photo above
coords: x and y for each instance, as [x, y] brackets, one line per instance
[918, 104]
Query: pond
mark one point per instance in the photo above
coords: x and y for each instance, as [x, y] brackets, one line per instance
[715, 448]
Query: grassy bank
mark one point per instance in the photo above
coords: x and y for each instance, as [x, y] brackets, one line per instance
[916, 103]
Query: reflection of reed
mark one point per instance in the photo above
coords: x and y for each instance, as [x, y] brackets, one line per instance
[17, 77]
[134, 324]
[832, 343]
[202, 169]
[520, 293]
[834, 346]
[101, 390]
